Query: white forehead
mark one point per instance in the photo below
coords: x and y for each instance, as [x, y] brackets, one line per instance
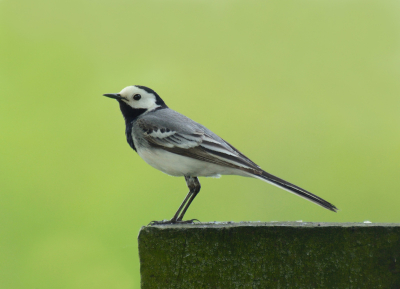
[130, 90]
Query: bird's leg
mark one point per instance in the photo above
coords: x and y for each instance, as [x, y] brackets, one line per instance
[176, 219]
[194, 186]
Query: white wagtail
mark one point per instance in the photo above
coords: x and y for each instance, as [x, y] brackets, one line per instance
[179, 146]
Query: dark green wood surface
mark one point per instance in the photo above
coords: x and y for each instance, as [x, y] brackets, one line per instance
[270, 255]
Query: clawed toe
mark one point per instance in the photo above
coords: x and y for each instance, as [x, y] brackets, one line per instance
[188, 221]
[172, 222]
[163, 222]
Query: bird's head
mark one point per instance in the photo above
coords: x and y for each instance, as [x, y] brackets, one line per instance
[136, 99]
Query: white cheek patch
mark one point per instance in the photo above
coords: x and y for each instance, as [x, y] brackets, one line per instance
[144, 103]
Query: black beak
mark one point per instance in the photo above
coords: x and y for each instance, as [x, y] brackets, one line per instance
[114, 95]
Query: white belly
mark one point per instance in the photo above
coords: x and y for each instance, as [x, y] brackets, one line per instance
[177, 165]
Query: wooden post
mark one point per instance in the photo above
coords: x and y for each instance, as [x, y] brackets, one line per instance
[270, 255]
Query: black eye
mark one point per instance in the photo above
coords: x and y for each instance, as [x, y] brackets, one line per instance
[137, 97]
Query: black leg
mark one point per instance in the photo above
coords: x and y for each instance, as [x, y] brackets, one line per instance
[175, 217]
[194, 186]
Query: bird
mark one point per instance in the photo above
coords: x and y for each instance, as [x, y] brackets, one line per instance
[181, 147]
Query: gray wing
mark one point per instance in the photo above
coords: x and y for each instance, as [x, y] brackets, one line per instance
[173, 132]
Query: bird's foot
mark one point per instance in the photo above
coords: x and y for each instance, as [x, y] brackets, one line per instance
[172, 222]
[187, 221]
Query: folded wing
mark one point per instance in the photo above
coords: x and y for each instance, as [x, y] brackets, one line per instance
[197, 144]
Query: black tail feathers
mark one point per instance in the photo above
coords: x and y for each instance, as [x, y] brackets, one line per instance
[297, 190]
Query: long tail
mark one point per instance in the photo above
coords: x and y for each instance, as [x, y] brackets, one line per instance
[266, 177]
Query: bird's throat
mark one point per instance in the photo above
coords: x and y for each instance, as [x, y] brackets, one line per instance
[129, 113]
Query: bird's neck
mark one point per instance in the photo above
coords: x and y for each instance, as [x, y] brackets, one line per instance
[130, 114]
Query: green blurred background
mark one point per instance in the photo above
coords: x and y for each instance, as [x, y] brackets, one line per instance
[307, 89]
